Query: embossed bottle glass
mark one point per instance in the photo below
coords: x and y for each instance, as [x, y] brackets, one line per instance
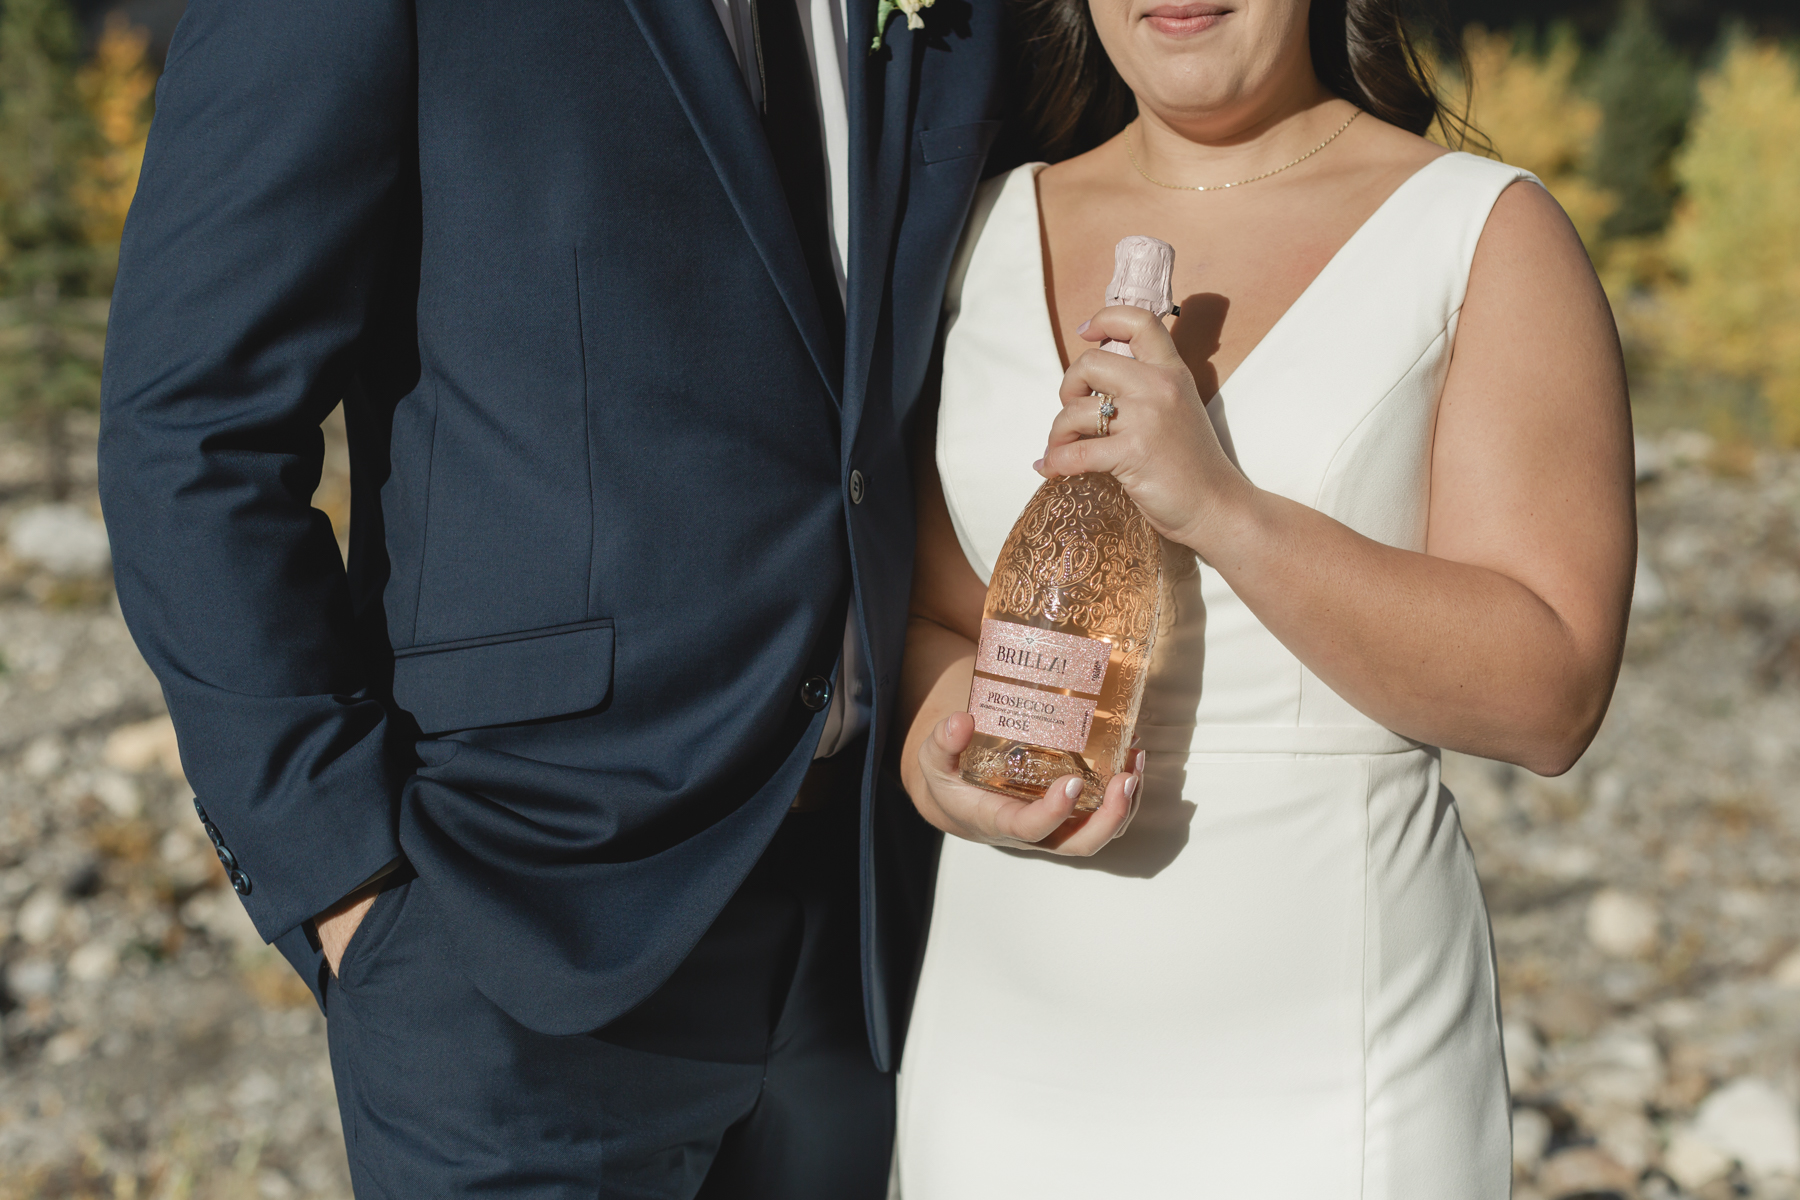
[1071, 612]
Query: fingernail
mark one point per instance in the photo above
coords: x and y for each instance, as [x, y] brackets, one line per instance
[1143, 760]
[1072, 789]
[1038, 465]
[1082, 328]
[1131, 786]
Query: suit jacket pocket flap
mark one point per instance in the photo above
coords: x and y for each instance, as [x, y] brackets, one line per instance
[506, 679]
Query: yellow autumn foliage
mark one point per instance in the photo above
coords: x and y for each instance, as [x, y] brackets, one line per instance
[116, 86]
[1734, 243]
[1528, 106]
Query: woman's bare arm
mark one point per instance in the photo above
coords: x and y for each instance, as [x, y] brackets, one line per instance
[1503, 638]
[942, 628]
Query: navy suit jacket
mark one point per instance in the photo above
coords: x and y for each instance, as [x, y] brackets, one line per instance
[602, 526]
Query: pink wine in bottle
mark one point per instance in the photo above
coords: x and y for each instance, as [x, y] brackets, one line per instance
[1071, 611]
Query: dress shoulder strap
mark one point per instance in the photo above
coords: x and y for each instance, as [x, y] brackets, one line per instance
[1442, 211]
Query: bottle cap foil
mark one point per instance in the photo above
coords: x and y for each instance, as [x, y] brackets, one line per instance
[1142, 271]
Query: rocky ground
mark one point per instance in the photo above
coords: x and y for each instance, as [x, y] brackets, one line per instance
[1646, 906]
[150, 1045]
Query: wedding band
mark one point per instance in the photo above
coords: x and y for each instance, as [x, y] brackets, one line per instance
[1108, 410]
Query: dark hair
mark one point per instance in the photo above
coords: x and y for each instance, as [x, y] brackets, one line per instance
[1074, 99]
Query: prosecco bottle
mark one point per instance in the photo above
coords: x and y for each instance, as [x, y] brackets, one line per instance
[1071, 611]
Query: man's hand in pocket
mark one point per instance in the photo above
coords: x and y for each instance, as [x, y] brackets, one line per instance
[337, 924]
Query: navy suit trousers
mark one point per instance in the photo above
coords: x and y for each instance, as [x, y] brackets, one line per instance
[746, 1075]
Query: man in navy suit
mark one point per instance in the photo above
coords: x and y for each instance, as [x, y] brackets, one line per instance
[565, 795]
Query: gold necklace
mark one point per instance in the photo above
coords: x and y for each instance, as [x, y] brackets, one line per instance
[1219, 187]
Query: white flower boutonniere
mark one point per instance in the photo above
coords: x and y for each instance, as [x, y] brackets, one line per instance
[886, 8]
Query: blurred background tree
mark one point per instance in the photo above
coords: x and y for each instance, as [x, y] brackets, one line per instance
[116, 87]
[1667, 137]
[1683, 185]
[1734, 243]
[1526, 103]
[71, 137]
[1644, 90]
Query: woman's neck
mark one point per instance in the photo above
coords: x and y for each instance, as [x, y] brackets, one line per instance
[1215, 147]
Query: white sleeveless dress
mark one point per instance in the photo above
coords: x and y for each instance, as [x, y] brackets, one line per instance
[1280, 982]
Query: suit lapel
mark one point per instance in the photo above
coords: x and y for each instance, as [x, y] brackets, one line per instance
[880, 107]
[689, 43]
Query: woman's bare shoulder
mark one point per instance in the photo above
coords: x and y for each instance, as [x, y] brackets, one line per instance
[1528, 240]
[1388, 149]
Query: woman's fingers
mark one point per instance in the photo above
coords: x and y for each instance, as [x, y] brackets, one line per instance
[1089, 833]
[978, 814]
[1029, 823]
[1148, 337]
[1099, 455]
[1048, 823]
[1142, 395]
[1134, 787]
[942, 751]
[1098, 371]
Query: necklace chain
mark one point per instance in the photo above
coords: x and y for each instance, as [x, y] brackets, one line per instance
[1219, 187]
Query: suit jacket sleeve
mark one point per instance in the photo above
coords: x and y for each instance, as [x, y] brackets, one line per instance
[272, 210]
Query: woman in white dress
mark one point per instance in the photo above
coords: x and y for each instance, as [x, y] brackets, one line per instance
[1388, 445]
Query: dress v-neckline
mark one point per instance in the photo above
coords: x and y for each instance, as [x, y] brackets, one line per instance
[1339, 255]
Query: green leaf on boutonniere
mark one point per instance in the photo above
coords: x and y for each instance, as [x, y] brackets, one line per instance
[886, 8]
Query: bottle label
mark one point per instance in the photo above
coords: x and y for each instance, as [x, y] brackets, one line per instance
[1042, 656]
[1025, 714]
[1045, 658]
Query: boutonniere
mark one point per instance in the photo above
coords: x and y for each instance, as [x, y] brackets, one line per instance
[885, 9]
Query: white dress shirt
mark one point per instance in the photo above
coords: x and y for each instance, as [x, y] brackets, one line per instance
[822, 23]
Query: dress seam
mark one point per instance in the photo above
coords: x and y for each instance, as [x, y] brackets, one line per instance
[1363, 992]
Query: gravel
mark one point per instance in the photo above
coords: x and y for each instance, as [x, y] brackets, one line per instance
[1646, 906]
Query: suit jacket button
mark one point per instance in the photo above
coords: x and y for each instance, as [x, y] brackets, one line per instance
[226, 858]
[815, 693]
[240, 882]
[857, 487]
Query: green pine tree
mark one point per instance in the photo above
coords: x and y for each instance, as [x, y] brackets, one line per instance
[52, 278]
[1646, 91]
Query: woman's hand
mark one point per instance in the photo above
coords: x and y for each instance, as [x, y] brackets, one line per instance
[1161, 446]
[1050, 824]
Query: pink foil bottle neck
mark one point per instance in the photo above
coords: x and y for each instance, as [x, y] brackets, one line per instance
[1143, 271]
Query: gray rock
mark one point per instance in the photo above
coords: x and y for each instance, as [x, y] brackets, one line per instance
[1622, 924]
[1524, 1053]
[61, 539]
[1787, 972]
[1530, 1137]
[1618, 1071]
[1628, 1138]
[43, 758]
[31, 978]
[1693, 1161]
[39, 916]
[1648, 594]
[94, 962]
[1753, 1123]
